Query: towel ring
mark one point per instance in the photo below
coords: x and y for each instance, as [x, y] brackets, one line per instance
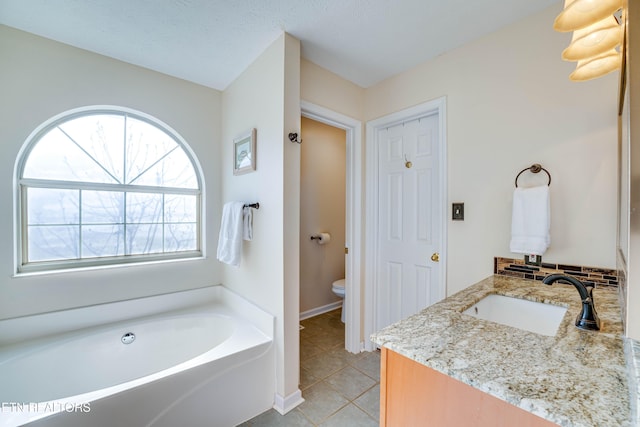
[535, 168]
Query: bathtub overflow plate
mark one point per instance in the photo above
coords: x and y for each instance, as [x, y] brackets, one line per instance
[128, 338]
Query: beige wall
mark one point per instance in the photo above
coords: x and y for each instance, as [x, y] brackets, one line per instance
[324, 88]
[39, 79]
[509, 105]
[266, 97]
[322, 209]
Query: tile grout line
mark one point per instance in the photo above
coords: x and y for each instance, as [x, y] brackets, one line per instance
[323, 336]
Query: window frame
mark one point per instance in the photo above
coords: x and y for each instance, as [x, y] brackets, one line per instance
[21, 186]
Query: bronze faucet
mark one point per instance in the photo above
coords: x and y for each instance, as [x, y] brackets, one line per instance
[588, 318]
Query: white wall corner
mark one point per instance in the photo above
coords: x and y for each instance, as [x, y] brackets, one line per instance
[285, 404]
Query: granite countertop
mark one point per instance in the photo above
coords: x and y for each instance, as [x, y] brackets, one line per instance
[575, 379]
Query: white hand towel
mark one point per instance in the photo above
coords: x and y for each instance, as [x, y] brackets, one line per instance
[530, 220]
[247, 224]
[230, 238]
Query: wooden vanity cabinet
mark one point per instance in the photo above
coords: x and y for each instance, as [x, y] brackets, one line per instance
[413, 395]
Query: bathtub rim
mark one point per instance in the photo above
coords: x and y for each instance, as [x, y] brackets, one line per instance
[20, 329]
[255, 331]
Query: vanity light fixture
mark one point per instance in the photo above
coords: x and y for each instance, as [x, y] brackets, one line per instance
[597, 66]
[579, 14]
[593, 40]
[597, 33]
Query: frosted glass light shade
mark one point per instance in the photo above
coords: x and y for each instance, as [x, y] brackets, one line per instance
[597, 66]
[593, 40]
[578, 14]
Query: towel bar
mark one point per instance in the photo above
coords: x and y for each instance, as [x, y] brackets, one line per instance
[535, 168]
[252, 205]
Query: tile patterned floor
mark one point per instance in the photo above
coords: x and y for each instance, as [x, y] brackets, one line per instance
[340, 389]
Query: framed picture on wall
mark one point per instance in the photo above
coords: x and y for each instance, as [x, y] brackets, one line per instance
[244, 153]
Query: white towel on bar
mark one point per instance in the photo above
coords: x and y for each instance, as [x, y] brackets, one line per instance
[530, 220]
[247, 223]
[231, 230]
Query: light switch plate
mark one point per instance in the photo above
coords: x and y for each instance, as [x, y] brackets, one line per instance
[457, 211]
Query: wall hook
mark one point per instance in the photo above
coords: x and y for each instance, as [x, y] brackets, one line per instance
[293, 137]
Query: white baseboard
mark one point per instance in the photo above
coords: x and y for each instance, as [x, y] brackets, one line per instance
[286, 404]
[320, 310]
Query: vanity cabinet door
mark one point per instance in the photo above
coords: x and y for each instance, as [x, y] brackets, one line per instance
[413, 395]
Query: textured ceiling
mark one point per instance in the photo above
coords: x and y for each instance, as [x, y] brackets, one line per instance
[211, 42]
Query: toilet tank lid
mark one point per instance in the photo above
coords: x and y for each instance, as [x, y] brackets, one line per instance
[338, 283]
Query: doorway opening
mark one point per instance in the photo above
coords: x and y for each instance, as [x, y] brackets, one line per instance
[322, 218]
[353, 214]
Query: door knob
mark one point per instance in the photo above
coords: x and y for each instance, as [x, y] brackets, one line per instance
[435, 257]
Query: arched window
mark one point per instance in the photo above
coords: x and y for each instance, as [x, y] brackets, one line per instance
[106, 186]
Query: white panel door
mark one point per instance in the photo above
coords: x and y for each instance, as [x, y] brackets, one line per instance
[409, 210]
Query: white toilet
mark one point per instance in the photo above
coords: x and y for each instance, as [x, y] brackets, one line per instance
[338, 288]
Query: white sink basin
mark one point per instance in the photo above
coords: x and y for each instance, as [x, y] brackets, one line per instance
[519, 313]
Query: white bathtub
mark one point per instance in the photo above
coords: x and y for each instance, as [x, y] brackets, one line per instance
[203, 357]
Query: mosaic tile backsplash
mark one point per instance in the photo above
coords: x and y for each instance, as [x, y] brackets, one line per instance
[588, 275]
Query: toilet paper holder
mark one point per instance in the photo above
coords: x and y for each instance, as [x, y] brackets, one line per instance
[322, 238]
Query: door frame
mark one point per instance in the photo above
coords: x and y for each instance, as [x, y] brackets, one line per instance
[353, 223]
[438, 106]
